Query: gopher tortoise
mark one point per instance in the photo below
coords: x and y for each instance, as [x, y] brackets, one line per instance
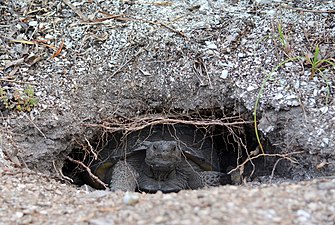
[166, 158]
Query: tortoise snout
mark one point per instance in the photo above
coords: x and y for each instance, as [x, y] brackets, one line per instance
[163, 154]
[165, 149]
[161, 166]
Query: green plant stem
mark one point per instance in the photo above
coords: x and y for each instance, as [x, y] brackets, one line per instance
[261, 92]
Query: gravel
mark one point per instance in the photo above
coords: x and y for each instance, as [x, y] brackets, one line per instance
[113, 60]
[30, 198]
[161, 57]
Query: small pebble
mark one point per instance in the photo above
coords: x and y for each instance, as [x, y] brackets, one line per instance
[303, 215]
[131, 198]
[33, 23]
[293, 96]
[19, 214]
[211, 45]
[278, 96]
[324, 109]
[251, 88]
[224, 74]
[325, 140]
[289, 64]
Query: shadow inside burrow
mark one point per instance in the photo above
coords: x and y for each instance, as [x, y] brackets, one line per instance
[208, 143]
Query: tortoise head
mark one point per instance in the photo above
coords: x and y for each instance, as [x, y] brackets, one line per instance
[162, 157]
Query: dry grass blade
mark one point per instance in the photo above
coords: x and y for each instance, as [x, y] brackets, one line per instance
[158, 3]
[18, 82]
[307, 10]
[14, 63]
[22, 41]
[77, 11]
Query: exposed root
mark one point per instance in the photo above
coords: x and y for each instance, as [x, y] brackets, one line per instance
[233, 138]
[61, 173]
[274, 168]
[88, 171]
[141, 123]
[127, 126]
[91, 149]
[282, 156]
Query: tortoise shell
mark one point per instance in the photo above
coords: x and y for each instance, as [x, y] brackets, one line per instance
[196, 144]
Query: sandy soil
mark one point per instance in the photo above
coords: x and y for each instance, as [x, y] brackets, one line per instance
[30, 198]
[89, 61]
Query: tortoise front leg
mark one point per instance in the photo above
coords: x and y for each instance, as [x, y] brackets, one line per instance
[151, 185]
[207, 179]
[124, 177]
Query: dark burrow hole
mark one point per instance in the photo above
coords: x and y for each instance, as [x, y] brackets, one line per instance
[171, 154]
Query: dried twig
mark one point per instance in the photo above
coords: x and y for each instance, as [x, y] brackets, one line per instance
[160, 3]
[13, 72]
[307, 10]
[164, 25]
[110, 16]
[124, 64]
[77, 11]
[200, 69]
[59, 50]
[121, 17]
[15, 62]
[39, 130]
[18, 82]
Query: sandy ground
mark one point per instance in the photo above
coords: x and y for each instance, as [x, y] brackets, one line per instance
[85, 65]
[30, 198]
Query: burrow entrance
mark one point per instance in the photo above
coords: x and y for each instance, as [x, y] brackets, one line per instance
[211, 146]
